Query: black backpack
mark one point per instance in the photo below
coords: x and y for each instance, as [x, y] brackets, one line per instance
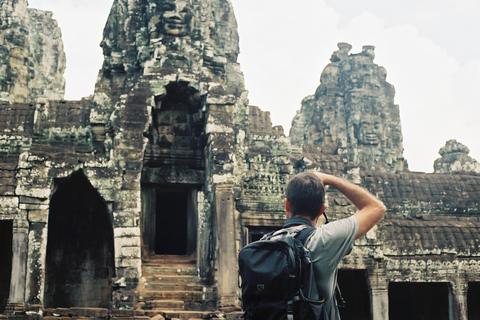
[277, 279]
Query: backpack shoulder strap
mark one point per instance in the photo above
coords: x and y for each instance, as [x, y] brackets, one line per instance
[303, 234]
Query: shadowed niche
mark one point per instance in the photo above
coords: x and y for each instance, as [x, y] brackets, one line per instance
[79, 262]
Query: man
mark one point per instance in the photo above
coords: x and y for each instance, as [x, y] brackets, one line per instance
[305, 203]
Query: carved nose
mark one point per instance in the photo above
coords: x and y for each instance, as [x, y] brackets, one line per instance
[172, 15]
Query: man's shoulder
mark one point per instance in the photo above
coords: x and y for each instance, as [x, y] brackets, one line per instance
[345, 224]
[333, 232]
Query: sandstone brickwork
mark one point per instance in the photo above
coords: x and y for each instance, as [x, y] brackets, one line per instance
[353, 113]
[168, 158]
[32, 54]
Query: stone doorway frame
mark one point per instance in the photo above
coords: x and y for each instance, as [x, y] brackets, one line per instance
[149, 216]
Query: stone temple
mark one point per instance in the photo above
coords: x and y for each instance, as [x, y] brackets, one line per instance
[133, 203]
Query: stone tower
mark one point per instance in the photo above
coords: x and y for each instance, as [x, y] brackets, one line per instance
[33, 61]
[455, 158]
[167, 103]
[169, 39]
[353, 113]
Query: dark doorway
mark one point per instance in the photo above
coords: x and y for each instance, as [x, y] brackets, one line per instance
[354, 288]
[169, 219]
[473, 297]
[418, 300]
[171, 223]
[79, 260]
[6, 255]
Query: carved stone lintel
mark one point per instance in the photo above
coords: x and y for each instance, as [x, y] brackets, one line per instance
[168, 175]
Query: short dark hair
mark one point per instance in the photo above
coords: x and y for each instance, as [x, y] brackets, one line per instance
[306, 194]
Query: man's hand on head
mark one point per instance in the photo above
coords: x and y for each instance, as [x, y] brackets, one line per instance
[326, 178]
[370, 208]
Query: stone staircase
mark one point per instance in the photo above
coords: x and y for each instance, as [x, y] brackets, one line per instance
[172, 289]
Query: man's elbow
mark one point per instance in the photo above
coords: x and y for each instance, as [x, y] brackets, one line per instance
[367, 220]
[382, 209]
[377, 212]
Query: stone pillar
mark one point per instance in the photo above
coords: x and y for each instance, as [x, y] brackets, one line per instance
[379, 304]
[378, 291]
[19, 262]
[458, 300]
[205, 239]
[37, 250]
[226, 258]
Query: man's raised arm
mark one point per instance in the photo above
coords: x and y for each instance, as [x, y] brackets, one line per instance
[370, 209]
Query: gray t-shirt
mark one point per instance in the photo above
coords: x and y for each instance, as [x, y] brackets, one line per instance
[328, 245]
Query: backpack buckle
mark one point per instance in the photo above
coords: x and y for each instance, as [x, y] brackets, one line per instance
[290, 310]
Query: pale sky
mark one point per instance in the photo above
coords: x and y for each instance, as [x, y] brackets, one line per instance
[430, 49]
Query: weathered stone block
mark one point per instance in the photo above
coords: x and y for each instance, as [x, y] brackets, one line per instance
[126, 232]
[38, 215]
[89, 312]
[8, 203]
[131, 252]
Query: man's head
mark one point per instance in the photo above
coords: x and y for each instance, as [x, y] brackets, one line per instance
[305, 196]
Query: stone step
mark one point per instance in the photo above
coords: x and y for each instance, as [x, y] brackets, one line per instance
[179, 314]
[171, 278]
[77, 311]
[169, 269]
[165, 304]
[172, 289]
[174, 295]
[167, 259]
[111, 318]
[171, 286]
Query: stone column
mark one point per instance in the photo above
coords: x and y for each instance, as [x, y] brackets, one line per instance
[205, 239]
[37, 251]
[458, 300]
[379, 303]
[226, 258]
[378, 291]
[19, 262]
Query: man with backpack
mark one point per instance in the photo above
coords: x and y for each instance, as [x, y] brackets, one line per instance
[326, 246]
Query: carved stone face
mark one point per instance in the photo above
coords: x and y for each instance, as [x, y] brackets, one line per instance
[370, 130]
[177, 18]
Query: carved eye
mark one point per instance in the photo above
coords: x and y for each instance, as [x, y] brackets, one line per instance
[168, 6]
